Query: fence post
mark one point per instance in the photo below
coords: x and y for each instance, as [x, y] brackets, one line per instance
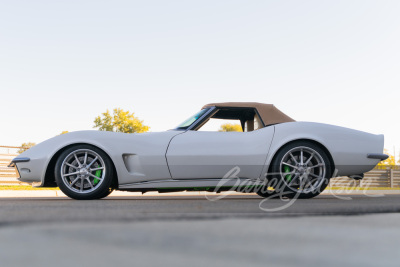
[391, 177]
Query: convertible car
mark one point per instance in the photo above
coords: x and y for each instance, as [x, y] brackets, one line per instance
[272, 154]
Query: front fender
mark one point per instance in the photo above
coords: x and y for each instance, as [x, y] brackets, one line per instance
[149, 149]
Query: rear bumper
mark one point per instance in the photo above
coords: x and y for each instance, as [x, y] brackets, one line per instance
[377, 156]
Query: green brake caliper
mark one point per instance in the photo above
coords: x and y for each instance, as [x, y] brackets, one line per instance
[286, 169]
[98, 174]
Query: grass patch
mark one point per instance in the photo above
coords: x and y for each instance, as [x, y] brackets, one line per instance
[25, 187]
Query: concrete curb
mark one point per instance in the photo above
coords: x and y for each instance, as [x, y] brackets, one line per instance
[30, 193]
[58, 193]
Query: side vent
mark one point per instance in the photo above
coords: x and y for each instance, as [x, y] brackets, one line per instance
[132, 164]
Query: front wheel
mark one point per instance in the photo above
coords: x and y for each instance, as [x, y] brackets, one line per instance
[84, 172]
[301, 170]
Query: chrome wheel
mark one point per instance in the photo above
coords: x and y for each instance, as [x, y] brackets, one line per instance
[83, 171]
[303, 169]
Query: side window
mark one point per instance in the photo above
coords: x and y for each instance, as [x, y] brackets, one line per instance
[232, 120]
[222, 125]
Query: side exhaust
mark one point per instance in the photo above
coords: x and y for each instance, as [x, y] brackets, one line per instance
[357, 176]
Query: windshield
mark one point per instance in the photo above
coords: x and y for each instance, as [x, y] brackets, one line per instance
[186, 124]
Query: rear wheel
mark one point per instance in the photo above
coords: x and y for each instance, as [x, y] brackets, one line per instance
[302, 170]
[84, 172]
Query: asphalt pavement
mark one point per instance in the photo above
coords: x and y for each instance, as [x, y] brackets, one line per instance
[193, 231]
[138, 208]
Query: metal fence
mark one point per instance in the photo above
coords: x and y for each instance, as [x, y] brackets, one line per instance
[8, 175]
[388, 176]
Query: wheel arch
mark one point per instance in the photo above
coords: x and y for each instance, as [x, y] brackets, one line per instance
[319, 144]
[49, 179]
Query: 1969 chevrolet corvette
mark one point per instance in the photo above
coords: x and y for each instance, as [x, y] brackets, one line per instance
[298, 158]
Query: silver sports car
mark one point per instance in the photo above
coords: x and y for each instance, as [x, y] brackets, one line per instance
[273, 154]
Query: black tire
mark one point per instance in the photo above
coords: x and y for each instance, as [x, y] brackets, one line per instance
[285, 188]
[106, 193]
[265, 192]
[68, 185]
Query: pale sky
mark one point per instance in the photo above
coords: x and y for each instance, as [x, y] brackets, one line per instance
[62, 63]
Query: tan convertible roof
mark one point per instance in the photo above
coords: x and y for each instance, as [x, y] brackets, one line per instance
[268, 112]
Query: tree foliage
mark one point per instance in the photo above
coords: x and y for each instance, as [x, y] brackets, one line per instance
[389, 161]
[121, 121]
[230, 127]
[25, 147]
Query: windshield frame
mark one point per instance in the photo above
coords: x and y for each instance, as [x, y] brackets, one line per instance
[197, 121]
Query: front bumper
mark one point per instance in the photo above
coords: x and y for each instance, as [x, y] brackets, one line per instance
[30, 170]
[17, 160]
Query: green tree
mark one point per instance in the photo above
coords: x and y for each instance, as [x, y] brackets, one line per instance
[121, 121]
[230, 127]
[389, 161]
[25, 147]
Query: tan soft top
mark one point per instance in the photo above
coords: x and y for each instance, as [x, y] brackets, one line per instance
[268, 112]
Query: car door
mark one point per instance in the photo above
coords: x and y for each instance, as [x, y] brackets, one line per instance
[199, 155]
